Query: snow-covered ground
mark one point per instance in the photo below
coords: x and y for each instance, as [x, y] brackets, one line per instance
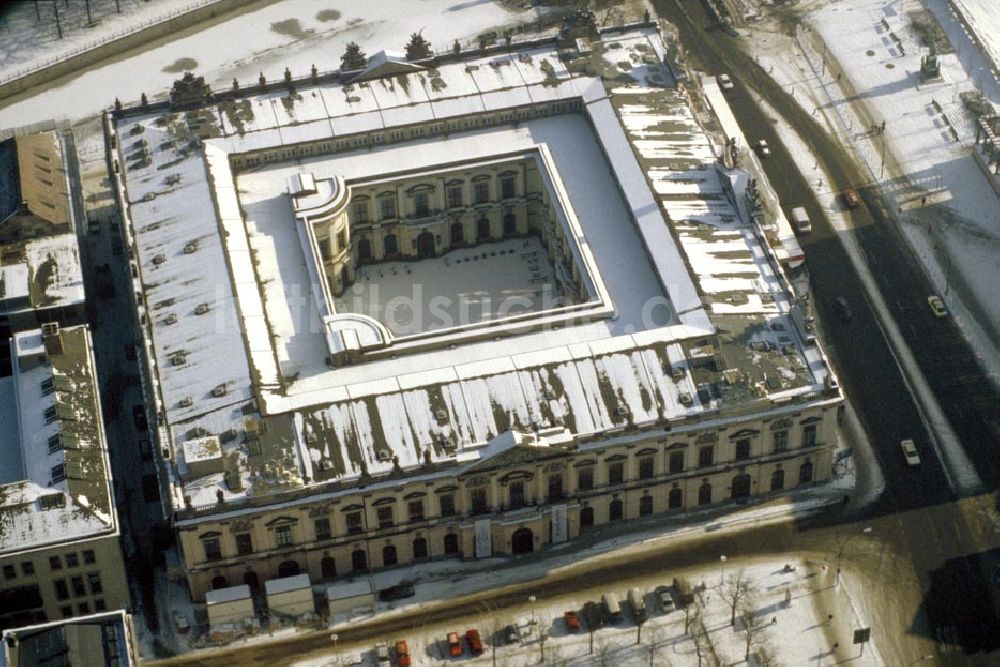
[983, 16]
[295, 33]
[799, 616]
[957, 233]
[31, 40]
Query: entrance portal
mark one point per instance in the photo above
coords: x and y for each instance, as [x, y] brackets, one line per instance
[522, 541]
[425, 245]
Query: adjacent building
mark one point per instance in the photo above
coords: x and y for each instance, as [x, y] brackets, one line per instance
[464, 307]
[60, 554]
[106, 639]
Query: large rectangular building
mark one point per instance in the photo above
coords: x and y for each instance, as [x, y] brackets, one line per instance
[462, 307]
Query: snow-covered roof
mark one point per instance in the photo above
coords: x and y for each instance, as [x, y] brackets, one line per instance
[349, 589]
[63, 492]
[637, 177]
[287, 584]
[56, 273]
[228, 594]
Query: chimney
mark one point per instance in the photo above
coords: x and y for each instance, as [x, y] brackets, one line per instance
[52, 338]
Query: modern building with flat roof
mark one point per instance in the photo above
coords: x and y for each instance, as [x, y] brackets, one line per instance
[462, 307]
[60, 553]
[99, 639]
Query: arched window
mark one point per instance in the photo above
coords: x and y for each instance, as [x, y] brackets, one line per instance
[359, 560]
[675, 500]
[451, 544]
[741, 486]
[806, 472]
[483, 229]
[391, 245]
[587, 517]
[328, 566]
[289, 568]
[219, 582]
[510, 225]
[457, 234]
[705, 494]
[364, 251]
[645, 505]
[616, 510]
[388, 555]
[420, 548]
[777, 480]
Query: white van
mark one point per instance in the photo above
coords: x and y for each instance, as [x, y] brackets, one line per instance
[801, 220]
[614, 609]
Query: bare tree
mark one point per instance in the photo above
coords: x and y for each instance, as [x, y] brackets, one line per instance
[734, 590]
[752, 626]
[766, 656]
[605, 653]
[653, 640]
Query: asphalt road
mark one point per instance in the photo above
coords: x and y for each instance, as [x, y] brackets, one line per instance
[957, 608]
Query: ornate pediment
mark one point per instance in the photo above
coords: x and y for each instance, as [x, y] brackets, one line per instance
[281, 521]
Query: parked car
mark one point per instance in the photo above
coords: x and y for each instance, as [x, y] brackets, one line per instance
[592, 614]
[474, 640]
[937, 306]
[843, 309]
[665, 599]
[454, 645]
[637, 603]
[851, 198]
[512, 634]
[130, 351]
[403, 658]
[93, 225]
[801, 221]
[382, 652]
[763, 149]
[612, 607]
[401, 590]
[139, 418]
[725, 83]
[572, 621]
[910, 452]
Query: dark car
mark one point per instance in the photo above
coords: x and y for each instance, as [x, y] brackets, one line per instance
[398, 592]
[512, 634]
[139, 418]
[592, 614]
[843, 309]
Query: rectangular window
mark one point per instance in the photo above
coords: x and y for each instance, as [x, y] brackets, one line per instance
[324, 249]
[516, 494]
[322, 528]
[88, 557]
[341, 240]
[454, 194]
[83, 608]
[50, 414]
[742, 449]
[507, 187]
[646, 467]
[416, 510]
[62, 590]
[809, 435]
[780, 441]
[244, 544]
[58, 473]
[353, 523]
[55, 563]
[72, 560]
[283, 536]
[9, 572]
[447, 501]
[99, 605]
[67, 612]
[384, 515]
[585, 478]
[55, 443]
[555, 487]
[360, 211]
[478, 501]
[388, 206]
[212, 549]
[676, 462]
[79, 590]
[94, 581]
[481, 191]
[616, 472]
[27, 568]
[706, 456]
[422, 204]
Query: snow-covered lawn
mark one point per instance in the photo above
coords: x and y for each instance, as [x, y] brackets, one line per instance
[798, 615]
[295, 33]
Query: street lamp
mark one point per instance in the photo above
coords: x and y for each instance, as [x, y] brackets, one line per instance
[722, 575]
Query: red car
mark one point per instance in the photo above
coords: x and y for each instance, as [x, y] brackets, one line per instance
[475, 642]
[403, 654]
[851, 198]
[454, 645]
[572, 621]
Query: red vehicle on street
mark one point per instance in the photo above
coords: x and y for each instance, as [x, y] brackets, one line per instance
[454, 645]
[475, 641]
[403, 654]
[572, 621]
